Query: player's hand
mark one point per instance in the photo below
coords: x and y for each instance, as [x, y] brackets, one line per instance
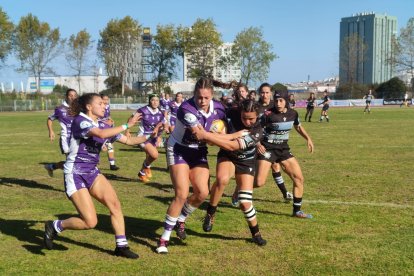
[134, 119]
[310, 146]
[199, 132]
[241, 133]
[51, 136]
[261, 149]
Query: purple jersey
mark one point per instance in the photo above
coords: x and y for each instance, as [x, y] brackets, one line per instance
[84, 150]
[164, 104]
[107, 113]
[189, 115]
[150, 119]
[173, 108]
[65, 120]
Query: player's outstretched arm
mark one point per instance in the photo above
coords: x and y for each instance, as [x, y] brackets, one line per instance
[50, 128]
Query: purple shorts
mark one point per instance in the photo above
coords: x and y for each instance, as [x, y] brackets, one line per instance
[76, 181]
[152, 141]
[178, 154]
[172, 120]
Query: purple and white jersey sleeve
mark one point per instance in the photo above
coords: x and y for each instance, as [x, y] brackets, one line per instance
[188, 116]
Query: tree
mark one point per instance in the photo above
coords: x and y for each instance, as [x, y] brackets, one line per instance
[77, 54]
[394, 88]
[36, 45]
[352, 56]
[200, 44]
[253, 54]
[6, 32]
[120, 48]
[113, 84]
[164, 53]
[279, 87]
[403, 49]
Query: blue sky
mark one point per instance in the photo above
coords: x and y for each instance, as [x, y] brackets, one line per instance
[304, 33]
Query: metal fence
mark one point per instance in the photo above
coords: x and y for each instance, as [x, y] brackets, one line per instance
[29, 105]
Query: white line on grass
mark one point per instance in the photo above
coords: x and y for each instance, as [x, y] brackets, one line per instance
[376, 204]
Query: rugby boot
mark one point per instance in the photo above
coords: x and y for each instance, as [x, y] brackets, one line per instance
[301, 214]
[180, 230]
[162, 247]
[125, 252]
[257, 239]
[208, 223]
[49, 235]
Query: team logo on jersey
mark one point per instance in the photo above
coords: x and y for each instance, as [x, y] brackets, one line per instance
[85, 124]
[284, 119]
[190, 118]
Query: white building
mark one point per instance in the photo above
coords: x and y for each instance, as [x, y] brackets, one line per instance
[225, 74]
[88, 84]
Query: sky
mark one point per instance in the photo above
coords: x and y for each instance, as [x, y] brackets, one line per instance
[304, 33]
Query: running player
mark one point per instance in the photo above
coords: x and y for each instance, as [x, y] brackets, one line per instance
[65, 120]
[277, 123]
[173, 107]
[265, 104]
[236, 158]
[292, 101]
[108, 120]
[83, 180]
[153, 122]
[310, 106]
[368, 97]
[325, 106]
[187, 158]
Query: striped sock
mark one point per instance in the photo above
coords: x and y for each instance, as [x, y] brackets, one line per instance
[169, 224]
[297, 204]
[57, 224]
[121, 241]
[186, 211]
[277, 176]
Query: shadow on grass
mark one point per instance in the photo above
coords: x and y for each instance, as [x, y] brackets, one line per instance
[111, 176]
[9, 181]
[22, 230]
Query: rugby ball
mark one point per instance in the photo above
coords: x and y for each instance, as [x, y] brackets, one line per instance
[218, 126]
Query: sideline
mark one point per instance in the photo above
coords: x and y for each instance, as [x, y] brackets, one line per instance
[375, 204]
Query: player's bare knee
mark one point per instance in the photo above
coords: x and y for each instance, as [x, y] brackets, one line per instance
[91, 222]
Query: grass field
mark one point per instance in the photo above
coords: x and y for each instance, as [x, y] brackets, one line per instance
[359, 186]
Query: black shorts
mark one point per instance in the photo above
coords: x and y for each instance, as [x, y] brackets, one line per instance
[368, 102]
[276, 155]
[325, 107]
[246, 166]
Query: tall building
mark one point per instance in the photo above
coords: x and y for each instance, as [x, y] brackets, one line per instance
[224, 74]
[365, 47]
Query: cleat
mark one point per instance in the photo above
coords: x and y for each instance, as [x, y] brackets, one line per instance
[180, 230]
[49, 169]
[50, 235]
[257, 239]
[113, 167]
[235, 200]
[143, 178]
[147, 172]
[301, 214]
[288, 198]
[125, 252]
[162, 247]
[208, 223]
